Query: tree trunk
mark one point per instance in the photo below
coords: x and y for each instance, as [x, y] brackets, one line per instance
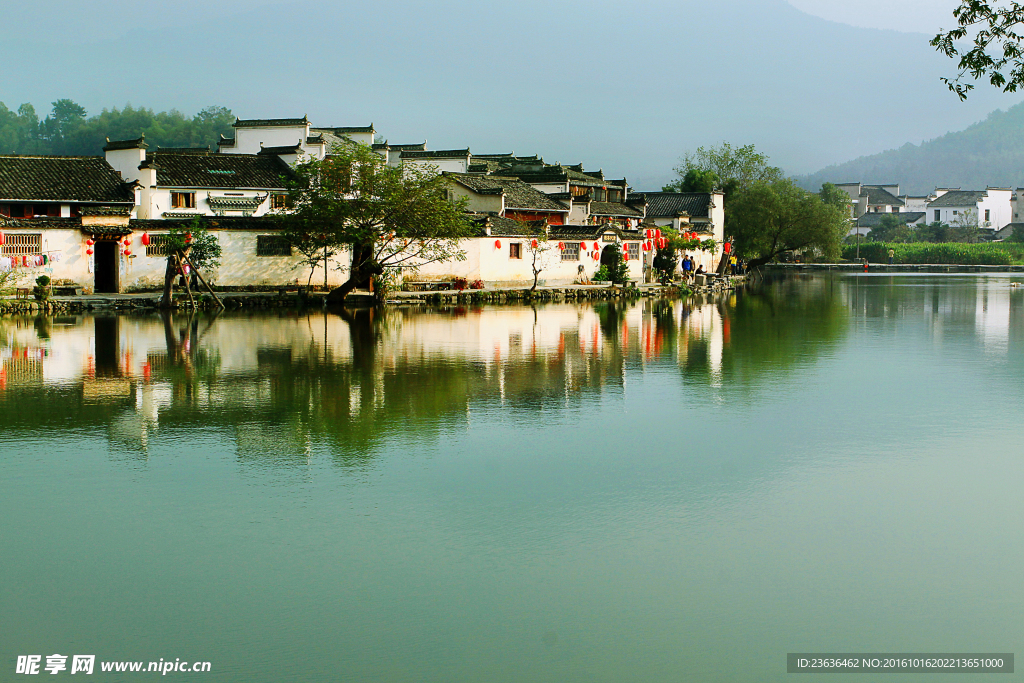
[338, 294]
[169, 273]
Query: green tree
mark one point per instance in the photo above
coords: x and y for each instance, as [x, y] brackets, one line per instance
[935, 232]
[389, 217]
[734, 168]
[992, 49]
[193, 242]
[1018, 233]
[774, 215]
[62, 123]
[695, 180]
[891, 228]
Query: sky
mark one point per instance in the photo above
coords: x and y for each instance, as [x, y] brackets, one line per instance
[625, 87]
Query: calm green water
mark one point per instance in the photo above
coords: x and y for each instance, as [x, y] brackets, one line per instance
[643, 492]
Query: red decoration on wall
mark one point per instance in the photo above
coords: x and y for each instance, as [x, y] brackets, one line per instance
[657, 233]
[533, 243]
[89, 252]
[145, 239]
[596, 248]
[1, 238]
[90, 241]
[561, 246]
[497, 244]
[127, 252]
[727, 248]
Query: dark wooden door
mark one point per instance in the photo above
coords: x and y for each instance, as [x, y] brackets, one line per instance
[106, 268]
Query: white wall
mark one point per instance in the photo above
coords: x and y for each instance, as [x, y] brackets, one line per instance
[492, 264]
[247, 140]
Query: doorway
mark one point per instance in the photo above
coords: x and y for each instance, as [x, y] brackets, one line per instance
[610, 256]
[105, 268]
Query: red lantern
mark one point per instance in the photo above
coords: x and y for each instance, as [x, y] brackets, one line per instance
[127, 242]
[24, 260]
[596, 248]
[533, 243]
[188, 238]
[727, 248]
[89, 252]
[497, 244]
[1, 238]
[127, 252]
[145, 239]
[90, 242]
[561, 246]
[657, 233]
[625, 256]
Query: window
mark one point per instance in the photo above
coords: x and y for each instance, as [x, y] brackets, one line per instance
[571, 251]
[515, 250]
[633, 249]
[988, 215]
[895, 209]
[183, 200]
[272, 245]
[157, 245]
[955, 212]
[280, 201]
[17, 244]
[937, 219]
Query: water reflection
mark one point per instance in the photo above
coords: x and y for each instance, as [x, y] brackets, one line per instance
[287, 383]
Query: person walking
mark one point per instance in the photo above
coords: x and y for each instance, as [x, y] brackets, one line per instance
[687, 267]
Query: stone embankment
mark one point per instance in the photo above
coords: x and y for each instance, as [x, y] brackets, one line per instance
[266, 300]
[896, 267]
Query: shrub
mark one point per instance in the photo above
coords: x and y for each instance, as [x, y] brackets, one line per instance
[602, 274]
[476, 284]
[459, 283]
[954, 253]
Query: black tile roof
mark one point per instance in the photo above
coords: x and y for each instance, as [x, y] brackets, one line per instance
[435, 154]
[672, 204]
[40, 223]
[880, 196]
[518, 195]
[260, 123]
[183, 150]
[871, 220]
[591, 232]
[137, 143]
[51, 178]
[500, 226]
[262, 223]
[220, 170]
[282, 149]
[345, 130]
[554, 174]
[614, 209]
[106, 210]
[226, 142]
[959, 198]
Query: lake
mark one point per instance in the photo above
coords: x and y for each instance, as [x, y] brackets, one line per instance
[648, 491]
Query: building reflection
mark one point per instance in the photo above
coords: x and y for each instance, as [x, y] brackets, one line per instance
[283, 385]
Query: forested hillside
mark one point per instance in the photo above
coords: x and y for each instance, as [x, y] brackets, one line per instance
[68, 130]
[988, 153]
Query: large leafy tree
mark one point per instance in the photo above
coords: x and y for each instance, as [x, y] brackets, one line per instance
[725, 167]
[986, 44]
[771, 216]
[389, 217]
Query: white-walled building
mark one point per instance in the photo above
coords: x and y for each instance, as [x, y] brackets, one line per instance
[990, 209]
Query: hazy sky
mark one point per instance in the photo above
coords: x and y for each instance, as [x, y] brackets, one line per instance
[627, 87]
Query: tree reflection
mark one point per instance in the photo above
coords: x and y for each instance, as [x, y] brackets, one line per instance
[286, 385]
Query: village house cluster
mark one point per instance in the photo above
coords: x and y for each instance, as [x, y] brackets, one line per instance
[82, 219]
[995, 211]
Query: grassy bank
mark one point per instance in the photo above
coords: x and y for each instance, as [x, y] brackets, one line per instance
[985, 254]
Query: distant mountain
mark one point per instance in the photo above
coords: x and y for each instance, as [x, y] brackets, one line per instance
[989, 153]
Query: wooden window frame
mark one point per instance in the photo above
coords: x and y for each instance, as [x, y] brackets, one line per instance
[20, 243]
[571, 251]
[183, 200]
[515, 250]
[157, 245]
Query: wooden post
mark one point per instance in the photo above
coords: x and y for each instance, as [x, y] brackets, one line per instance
[205, 283]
